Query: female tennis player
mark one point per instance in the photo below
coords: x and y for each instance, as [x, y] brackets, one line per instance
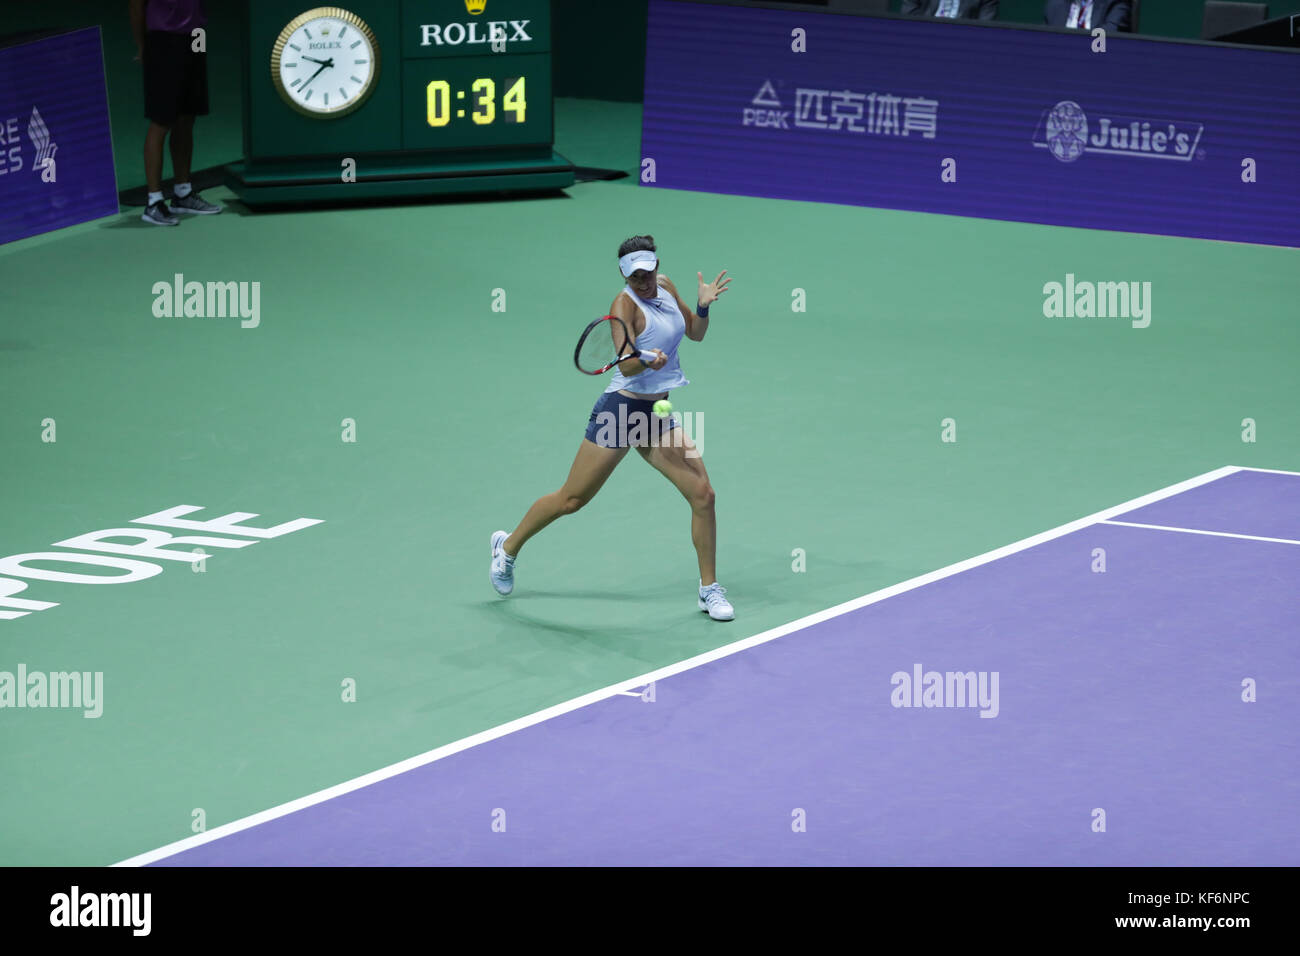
[656, 318]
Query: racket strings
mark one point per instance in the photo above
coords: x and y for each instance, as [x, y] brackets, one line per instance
[604, 343]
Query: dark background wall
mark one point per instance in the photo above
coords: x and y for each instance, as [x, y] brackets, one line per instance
[599, 44]
[1164, 18]
[600, 47]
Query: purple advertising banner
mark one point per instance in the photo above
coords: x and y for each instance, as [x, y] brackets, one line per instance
[1169, 138]
[56, 150]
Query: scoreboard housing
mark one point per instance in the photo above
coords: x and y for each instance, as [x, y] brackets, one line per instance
[456, 97]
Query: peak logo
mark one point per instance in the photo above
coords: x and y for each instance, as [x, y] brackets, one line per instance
[765, 109]
[1066, 132]
[848, 111]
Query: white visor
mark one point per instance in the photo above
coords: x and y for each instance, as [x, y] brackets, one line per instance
[641, 259]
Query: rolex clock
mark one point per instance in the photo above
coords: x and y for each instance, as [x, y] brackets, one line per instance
[396, 98]
[325, 62]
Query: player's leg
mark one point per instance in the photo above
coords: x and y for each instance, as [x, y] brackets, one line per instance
[603, 447]
[678, 460]
[591, 467]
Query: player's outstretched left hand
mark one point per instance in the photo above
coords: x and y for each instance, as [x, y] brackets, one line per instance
[709, 291]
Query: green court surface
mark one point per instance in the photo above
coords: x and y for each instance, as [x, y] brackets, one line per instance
[822, 432]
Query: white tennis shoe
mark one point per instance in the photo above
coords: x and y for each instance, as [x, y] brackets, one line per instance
[503, 566]
[711, 600]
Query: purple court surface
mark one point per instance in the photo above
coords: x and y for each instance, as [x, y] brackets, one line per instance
[1110, 696]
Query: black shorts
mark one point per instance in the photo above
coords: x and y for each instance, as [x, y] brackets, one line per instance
[618, 421]
[175, 78]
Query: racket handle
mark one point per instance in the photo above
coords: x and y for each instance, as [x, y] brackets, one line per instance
[648, 357]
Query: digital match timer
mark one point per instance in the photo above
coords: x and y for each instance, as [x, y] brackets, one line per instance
[468, 102]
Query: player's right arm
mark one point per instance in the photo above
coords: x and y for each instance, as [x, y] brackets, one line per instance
[624, 309]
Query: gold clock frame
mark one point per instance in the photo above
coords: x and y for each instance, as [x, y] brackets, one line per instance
[337, 13]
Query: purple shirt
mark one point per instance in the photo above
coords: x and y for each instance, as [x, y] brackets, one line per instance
[174, 16]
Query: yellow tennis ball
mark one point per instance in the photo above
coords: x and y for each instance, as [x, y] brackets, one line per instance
[663, 408]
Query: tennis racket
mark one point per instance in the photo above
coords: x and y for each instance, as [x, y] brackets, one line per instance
[605, 343]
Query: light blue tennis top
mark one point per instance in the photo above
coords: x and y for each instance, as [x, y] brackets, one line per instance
[664, 327]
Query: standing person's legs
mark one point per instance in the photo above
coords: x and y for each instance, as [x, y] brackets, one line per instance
[162, 74]
[153, 155]
[164, 70]
[192, 102]
[182, 148]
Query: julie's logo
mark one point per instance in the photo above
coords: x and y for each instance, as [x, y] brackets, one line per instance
[1065, 132]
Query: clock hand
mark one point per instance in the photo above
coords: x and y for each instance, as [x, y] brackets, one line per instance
[312, 59]
[329, 63]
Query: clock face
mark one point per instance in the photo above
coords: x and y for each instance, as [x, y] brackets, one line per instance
[325, 62]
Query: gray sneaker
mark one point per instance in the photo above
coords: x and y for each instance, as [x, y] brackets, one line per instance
[719, 607]
[159, 215]
[503, 566]
[195, 204]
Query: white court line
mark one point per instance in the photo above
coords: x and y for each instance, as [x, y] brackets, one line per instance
[1217, 534]
[605, 693]
[1268, 471]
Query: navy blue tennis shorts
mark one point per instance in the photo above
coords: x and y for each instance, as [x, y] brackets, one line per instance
[618, 421]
